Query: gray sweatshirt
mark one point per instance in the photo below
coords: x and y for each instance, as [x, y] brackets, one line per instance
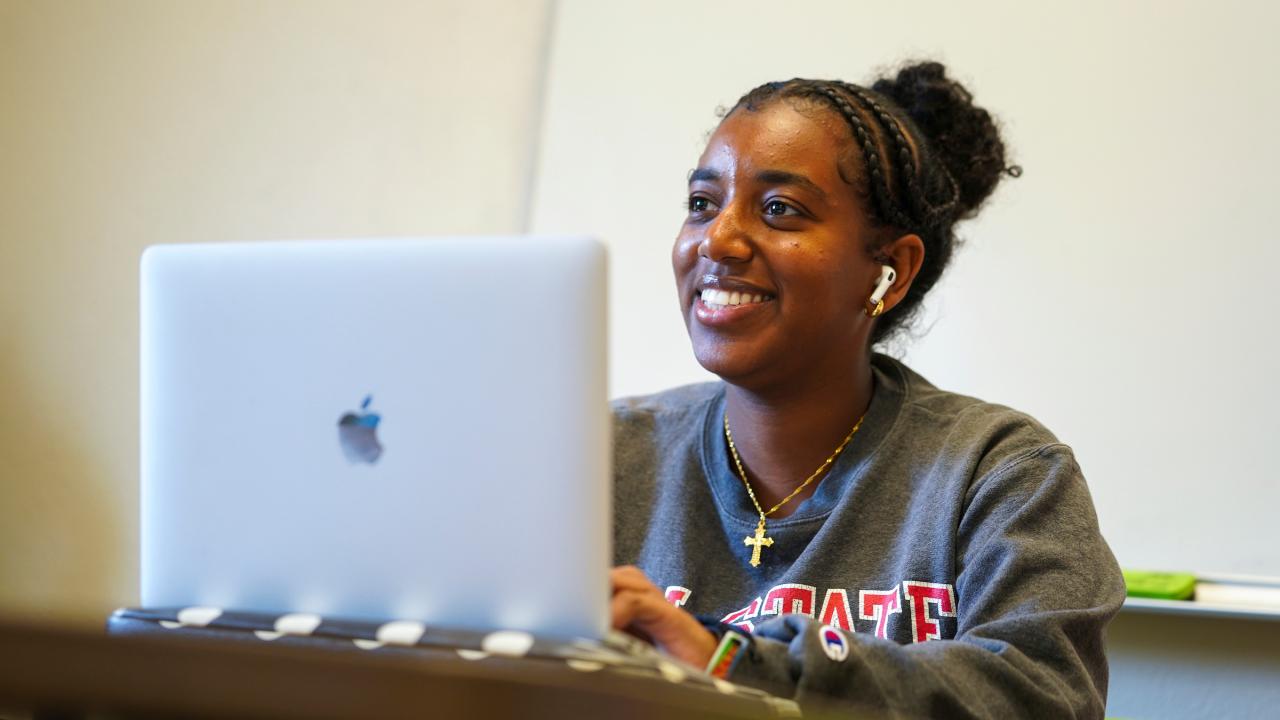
[948, 565]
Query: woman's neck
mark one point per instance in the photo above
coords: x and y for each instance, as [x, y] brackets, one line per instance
[783, 434]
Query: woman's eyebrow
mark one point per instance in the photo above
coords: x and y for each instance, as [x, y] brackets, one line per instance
[782, 177]
[768, 177]
[706, 174]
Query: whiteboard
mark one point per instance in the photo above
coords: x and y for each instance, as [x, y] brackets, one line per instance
[1121, 291]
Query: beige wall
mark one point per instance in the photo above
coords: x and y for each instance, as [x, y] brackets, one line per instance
[129, 123]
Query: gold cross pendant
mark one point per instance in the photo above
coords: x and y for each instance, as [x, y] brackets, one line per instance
[757, 542]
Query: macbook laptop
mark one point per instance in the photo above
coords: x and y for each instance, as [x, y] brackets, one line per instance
[410, 429]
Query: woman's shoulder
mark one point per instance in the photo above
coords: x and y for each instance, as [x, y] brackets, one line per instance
[962, 424]
[660, 436]
[678, 402]
[664, 419]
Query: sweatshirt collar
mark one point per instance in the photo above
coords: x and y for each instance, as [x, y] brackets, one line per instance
[889, 389]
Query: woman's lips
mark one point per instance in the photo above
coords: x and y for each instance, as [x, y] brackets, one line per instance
[713, 314]
[726, 285]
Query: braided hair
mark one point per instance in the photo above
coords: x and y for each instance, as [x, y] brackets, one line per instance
[930, 158]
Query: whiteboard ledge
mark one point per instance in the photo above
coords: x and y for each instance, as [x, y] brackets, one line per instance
[1193, 608]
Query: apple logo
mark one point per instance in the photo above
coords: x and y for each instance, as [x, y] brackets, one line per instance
[358, 434]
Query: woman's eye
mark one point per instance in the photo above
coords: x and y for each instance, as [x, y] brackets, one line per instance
[778, 207]
[698, 204]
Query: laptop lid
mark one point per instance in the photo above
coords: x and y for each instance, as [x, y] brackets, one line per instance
[378, 429]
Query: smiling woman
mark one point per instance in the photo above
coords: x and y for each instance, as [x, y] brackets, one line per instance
[943, 559]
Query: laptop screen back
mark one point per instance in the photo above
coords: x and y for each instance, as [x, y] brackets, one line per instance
[379, 429]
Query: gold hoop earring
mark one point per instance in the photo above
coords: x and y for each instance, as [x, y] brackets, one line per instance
[876, 312]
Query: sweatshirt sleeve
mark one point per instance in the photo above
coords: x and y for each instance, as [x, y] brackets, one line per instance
[1036, 586]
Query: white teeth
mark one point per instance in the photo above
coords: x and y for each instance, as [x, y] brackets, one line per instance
[722, 298]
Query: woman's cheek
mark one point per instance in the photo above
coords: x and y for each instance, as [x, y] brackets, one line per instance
[684, 254]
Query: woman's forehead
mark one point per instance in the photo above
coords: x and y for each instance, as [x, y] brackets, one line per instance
[778, 137]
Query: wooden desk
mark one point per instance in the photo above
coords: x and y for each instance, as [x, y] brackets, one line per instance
[55, 672]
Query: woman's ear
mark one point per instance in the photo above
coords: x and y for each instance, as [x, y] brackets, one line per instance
[906, 255]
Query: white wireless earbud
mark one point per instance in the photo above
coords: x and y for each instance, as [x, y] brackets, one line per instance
[887, 277]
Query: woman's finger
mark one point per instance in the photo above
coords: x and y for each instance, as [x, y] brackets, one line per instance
[630, 577]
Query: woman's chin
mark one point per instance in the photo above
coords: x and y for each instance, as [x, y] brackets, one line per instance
[731, 362]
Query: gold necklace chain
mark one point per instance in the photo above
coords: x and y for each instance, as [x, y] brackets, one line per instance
[759, 541]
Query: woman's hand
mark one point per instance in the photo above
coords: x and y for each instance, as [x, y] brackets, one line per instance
[639, 608]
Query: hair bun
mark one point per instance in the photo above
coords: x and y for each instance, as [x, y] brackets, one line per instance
[962, 135]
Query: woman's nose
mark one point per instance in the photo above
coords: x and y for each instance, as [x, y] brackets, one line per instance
[727, 239]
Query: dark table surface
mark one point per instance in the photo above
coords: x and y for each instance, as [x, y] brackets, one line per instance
[51, 672]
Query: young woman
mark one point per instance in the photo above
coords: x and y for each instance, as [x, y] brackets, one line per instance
[857, 534]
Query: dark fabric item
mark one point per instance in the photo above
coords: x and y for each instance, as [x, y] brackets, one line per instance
[949, 564]
[238, 624]
[340, 635]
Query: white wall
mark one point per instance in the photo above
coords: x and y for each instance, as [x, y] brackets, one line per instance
[1120, 291]
[127, 123]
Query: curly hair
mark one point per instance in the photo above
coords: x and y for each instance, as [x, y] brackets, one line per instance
[930, 158]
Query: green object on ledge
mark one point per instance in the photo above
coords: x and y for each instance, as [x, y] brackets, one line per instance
[1160, 585]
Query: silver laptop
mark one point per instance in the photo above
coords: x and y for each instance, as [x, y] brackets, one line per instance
[408, 429]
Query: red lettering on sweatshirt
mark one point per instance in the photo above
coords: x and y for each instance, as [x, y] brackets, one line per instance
[928, 603]
[790, 598]
[677, 595]
[922, 595]
[742, 618]
[877, 606]
[835, 610]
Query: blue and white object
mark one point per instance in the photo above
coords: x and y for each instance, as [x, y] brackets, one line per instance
[834, 643]
[358, 434]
